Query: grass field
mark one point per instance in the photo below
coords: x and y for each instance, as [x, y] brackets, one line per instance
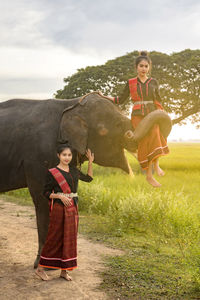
[158, 229]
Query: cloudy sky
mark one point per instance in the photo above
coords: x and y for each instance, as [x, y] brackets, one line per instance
[43, 41]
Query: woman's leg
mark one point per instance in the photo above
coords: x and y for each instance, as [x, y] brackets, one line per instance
[41, 273]
[150, 178]
[158, 169]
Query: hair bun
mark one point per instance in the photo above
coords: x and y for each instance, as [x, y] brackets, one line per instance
[63, 142]
[143, 53]
[62, 145]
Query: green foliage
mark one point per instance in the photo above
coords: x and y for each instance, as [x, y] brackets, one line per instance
[178, 75]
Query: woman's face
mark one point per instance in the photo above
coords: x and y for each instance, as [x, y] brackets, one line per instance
[65, 156]
[143, 68]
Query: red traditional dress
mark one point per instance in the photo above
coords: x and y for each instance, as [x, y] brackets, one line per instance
[60, 248]
[146, 98]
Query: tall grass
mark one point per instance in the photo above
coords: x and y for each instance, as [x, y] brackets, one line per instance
[172, 210]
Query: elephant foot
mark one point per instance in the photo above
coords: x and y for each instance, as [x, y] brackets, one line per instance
[36, 261]
[153, 182]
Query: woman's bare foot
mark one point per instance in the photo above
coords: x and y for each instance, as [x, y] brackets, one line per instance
[42, 274]
[153, 182]
[65, 275]
[159, 171]
[157, 168]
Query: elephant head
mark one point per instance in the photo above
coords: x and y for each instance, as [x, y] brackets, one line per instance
[98, 124]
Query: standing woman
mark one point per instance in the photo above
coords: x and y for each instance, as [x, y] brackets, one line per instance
[60, 248]
[144, 92]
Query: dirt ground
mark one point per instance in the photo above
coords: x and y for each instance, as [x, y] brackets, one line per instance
[18, 248]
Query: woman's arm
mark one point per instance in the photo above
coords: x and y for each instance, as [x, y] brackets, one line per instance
[90, 157]
[48, 185]
[89, 175]
[122, 98]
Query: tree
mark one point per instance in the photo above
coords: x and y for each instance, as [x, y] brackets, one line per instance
[178, 75]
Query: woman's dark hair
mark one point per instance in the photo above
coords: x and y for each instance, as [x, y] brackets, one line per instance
[62, 147]
[143, 55]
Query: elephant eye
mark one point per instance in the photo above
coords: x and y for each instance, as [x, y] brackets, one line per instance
[102, 129]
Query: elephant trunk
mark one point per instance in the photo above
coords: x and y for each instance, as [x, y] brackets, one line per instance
[156, 117]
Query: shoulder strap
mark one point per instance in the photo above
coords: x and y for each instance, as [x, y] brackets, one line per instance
[60, 180]
[133, 89]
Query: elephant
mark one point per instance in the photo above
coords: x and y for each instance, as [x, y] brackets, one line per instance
[31, 129]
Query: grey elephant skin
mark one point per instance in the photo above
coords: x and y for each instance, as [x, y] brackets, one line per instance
[31, 129]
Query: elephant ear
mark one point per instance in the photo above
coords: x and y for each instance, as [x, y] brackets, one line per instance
[75, 130]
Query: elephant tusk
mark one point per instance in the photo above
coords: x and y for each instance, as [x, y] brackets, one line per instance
[129, 134]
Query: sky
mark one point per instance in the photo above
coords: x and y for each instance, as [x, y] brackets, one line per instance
[44, 41]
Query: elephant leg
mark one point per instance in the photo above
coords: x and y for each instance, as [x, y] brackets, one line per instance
[42, 218]
[35, 175]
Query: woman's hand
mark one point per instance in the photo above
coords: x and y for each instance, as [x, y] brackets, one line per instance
[100, 93]
[65, 200]
[90, 156]
[107, 97]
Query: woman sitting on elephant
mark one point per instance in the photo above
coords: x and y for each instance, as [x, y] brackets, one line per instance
[60, 248]
[145, 95]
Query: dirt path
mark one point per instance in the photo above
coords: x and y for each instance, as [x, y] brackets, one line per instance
[18, 248]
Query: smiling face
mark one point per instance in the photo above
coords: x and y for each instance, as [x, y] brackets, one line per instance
[65, 156]
[143, 68]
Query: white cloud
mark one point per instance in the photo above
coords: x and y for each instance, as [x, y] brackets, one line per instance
[39, 73]
[184, 132]
[19, 24]
[46, 62]
[97, 26]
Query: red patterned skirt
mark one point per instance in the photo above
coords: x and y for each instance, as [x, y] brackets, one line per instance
[151, 146]
[60, 248]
